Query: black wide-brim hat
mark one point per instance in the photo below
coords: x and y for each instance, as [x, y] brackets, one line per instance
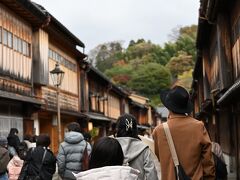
[177, 100]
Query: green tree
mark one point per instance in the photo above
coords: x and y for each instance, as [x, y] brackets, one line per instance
[185, 79]
[139, 49]
[187, 40]
[146, 67]
[120, 74]
[150, 79]
[179, 64]
[108, 54]
[189, 30]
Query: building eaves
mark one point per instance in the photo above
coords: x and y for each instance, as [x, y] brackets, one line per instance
[59, 26]
[106, 80]
[230, 95]
[27, 11]
[139, 105]
[70, 35]
[97, 116]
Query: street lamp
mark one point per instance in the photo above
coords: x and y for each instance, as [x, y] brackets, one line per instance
[57, 77]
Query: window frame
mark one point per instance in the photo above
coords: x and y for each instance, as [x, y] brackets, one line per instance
[5, 38]
[20, 45]
[9, 39]
[0, 35]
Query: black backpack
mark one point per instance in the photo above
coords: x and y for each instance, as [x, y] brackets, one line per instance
[220, 168]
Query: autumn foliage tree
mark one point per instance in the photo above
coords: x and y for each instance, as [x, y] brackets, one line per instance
[179, 64]
[146, 67]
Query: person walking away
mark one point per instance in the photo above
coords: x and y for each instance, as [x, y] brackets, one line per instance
[87, 137]
[106, 162]
[15, 164]
[4, 158]
[22, 150]
[136, 154]
[190, 138]
[40, 162]
[70, 154]
[13, 141]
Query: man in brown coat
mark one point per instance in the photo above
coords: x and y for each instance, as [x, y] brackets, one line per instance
[191, 140]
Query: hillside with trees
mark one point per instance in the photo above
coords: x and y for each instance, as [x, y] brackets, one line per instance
[145, 67]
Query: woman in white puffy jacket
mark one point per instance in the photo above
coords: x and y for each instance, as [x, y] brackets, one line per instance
[106, 163]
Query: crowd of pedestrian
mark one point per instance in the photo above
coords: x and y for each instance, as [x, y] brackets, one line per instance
[177, 149]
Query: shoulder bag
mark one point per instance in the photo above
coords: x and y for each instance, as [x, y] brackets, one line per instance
[37, 177]
[180, 173]
[220, 167]
[85, 159]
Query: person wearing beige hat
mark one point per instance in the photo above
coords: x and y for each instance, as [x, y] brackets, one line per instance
[4, 158]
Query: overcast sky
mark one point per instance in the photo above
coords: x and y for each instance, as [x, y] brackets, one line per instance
[98, 21]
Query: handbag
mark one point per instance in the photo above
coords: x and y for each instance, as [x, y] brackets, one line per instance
[179, 171]
[220, 167]
[85, 159]
[37, 177]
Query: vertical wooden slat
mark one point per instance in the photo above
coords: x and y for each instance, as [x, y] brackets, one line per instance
[29, 40]
[21, 57]
[238, 56]
[13, 61]
[16, 61]
[9, 62]
[4, 48]
[1, 51]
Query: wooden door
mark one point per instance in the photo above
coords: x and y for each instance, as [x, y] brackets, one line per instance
[46, 127]
[28, 127]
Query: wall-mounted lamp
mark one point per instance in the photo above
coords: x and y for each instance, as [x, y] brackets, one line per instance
[90, 126]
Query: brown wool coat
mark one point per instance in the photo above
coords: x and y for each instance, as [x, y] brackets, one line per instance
[193, 148]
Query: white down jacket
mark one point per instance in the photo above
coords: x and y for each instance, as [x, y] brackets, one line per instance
[109, 173]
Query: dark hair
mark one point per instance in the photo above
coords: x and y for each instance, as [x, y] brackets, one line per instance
[127, 126]
[22, 150]
[43, 140]
[87, 136]
[28, 137]
[34, 138]
[73, 126]
[106, 152]
[13, 131]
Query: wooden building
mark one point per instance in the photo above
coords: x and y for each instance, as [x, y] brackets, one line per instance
[17, 99]
[32, 41]
[216, 77]
[141, 109]
[53, 43]
[104, 102]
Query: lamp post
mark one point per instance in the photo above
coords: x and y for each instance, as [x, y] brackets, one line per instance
[57, 77]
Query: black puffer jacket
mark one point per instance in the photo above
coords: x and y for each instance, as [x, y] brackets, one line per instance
[14, 141]
[33, 165]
